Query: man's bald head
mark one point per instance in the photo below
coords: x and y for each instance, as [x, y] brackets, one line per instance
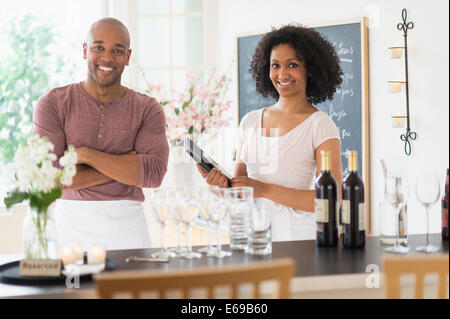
[112, 23]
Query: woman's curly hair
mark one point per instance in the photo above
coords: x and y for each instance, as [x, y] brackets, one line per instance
[321, 61]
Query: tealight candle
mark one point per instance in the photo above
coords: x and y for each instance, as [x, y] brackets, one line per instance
[398, 121]
[67, 255]
[396, 52]
[96, 255]
[79, 254]
[395, 87]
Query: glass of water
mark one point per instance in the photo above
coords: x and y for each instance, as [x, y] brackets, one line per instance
[241, 204]
[260, 228]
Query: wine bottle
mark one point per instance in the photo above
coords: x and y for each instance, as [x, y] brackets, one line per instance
[353, 210]
[326, 204]
[445, 200]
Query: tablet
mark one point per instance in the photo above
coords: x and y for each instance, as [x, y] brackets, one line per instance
[200, 157]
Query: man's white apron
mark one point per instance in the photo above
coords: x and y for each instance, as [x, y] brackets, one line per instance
[112, 224]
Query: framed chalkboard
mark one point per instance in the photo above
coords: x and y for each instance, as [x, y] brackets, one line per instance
[349, 107]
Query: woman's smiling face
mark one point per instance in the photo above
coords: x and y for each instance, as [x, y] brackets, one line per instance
[287, 71]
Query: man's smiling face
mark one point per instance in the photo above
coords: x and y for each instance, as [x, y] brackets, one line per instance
[107, 52]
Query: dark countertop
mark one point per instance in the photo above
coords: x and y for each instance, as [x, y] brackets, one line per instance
[310, 261]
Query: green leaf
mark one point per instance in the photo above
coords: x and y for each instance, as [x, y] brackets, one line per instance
[40, 200]
[14, 197]
[177, 110]
[191, 130]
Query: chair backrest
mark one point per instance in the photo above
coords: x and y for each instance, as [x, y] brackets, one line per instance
[136, 282]
[394, 267]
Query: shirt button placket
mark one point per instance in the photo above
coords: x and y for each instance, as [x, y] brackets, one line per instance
[102, 117]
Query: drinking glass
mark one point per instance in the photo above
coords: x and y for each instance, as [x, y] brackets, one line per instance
[179, 194]
[190, 212]
[241, 199]
[208, 198]
[260, 228]
[219, 214]
[427, 192]
[396, 195]
[163, 211]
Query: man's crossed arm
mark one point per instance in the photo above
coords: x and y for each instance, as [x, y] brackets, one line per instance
[95, 168]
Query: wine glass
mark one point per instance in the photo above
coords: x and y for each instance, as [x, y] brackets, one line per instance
[427, 192]
[163, 211]
[180, 193]
[207, 202]
[218, 216]
[396, 195]
[190, 212]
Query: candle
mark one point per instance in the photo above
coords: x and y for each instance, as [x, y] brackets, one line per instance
[79, 254]
[398, 121]
[396, 52]
[67, 255]
[395, 87]
[96, 255]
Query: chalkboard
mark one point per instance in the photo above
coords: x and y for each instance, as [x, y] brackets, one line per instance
[349, 106]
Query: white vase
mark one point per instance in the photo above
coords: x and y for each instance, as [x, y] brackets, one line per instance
[39, 235]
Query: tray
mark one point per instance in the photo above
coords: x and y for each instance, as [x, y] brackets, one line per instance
[9, 274]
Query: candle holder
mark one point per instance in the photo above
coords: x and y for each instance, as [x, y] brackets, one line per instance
[395, 86]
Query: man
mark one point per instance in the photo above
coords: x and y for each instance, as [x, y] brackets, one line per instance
[120, 140]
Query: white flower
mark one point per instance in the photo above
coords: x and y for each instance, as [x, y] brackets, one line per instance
[34, 166]
[69, 158]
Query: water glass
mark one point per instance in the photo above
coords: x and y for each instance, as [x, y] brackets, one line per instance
[189, 213]
[219, 216]
[208, 200]
[260, 228]
[179, 195]
[163, 211]
[427, 193]
[241, 200]
[396, 195]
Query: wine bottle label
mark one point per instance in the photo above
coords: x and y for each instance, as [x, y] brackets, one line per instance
[345, 210]
[362, 216]
[321, 210]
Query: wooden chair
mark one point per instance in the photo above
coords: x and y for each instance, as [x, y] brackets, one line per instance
[394, 267]
[137, 282]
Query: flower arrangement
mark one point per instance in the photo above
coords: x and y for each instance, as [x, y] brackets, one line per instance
[36, 178]
[40, 182]
[199, 109]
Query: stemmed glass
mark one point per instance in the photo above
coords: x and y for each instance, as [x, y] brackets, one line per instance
[190, 212]
[427, 192]
[179, 193]
[396, 195]
[218, 215]
[207, 203]
[163, 212]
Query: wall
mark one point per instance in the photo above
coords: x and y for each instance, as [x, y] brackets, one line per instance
[428, 76]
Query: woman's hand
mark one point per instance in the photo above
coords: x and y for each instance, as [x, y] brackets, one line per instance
[214, 177]
[259, 188]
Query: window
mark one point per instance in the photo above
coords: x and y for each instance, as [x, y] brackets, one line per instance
[170, 41]
[40, 48]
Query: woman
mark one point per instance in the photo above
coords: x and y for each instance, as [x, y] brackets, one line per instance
[279, 146]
